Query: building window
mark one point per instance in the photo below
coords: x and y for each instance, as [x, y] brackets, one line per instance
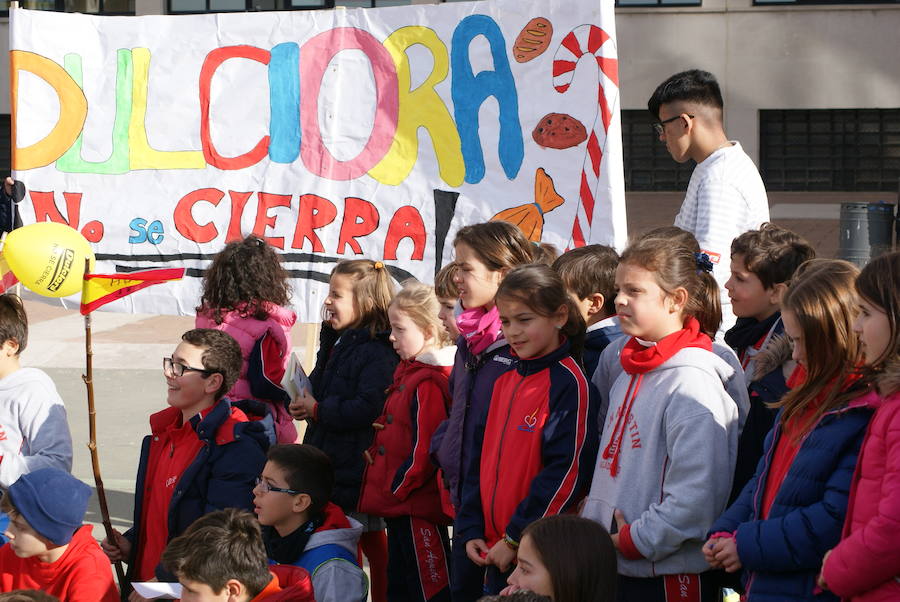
[223, 6]
[206, 6]
[830, 149]
[648, 165]
[91, 7]
[371, 3]
[643, 3]
[815, 2]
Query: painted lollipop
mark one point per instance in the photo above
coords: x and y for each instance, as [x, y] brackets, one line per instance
[593, 41]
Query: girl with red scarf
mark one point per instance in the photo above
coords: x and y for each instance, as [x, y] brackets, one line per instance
[669, 441]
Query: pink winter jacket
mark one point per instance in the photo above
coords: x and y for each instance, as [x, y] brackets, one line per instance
[247, 331]
[865, 565]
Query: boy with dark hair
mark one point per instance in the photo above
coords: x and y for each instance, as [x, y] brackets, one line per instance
[763, 263]
[49, 549]
[589, 274]
[447, 292]
[221, 558]
[301, 527]
[34, 431]
[204, 451]
[725, 196]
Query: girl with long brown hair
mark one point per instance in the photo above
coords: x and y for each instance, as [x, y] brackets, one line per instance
[790, 513]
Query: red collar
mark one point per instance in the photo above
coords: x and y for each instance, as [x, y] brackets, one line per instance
[272, 588]
[637, 359]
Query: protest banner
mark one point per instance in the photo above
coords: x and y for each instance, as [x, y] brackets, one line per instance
[333, 134]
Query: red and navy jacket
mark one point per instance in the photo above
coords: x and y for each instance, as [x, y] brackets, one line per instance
[234, 436]
[540, 445]
[400, 479]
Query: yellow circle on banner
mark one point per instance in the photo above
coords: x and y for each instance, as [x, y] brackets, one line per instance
[48, 258]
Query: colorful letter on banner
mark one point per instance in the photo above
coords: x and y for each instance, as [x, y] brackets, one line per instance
[100, 289]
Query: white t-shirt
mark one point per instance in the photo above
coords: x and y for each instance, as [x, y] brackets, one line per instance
[725, 198]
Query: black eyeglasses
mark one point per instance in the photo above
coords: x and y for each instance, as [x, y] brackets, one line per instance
[172, 368]
[660, 126]
[264, 487]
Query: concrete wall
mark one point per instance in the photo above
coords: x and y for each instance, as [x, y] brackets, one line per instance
[766, 57]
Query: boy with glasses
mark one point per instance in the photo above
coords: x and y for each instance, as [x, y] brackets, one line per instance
[203, 454]
[301, 527]
[725, 196]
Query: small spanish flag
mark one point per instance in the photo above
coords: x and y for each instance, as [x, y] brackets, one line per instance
[100, 289]
[7, 278]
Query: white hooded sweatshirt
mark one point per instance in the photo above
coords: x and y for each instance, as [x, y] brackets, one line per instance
[34, 431]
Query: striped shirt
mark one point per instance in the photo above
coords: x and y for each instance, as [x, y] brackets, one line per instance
[725, 198]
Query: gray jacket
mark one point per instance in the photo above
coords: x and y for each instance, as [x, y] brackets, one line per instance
[675, 462]
[338, 580]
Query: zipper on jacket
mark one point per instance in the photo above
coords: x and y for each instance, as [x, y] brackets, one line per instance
[512, 397]
[472, 370]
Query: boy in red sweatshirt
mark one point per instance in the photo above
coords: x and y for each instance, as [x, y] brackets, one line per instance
[221, 558]
[49, 549]
[203, 452]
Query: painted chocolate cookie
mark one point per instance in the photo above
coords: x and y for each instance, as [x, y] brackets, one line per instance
[558, 130]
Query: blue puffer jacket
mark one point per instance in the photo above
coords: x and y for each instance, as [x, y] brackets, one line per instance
[353, 371]
[471, 386]
[235, 437]
[782, 555]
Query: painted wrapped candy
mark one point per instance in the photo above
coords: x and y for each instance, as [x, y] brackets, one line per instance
[530, 217]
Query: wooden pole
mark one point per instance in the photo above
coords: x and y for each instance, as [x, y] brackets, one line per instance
[88, 379]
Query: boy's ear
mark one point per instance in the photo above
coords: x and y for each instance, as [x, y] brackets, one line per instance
[10, 347]
[776, 293]
[302, 502]
[213, 382]
[596, 306]
[236, 591]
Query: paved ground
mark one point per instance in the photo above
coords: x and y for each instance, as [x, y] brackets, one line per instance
[128, 349]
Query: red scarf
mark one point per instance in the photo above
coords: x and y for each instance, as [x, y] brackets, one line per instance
[637, 360]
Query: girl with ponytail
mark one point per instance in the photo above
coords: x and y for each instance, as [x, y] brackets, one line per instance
[669, 442]
[354, 367]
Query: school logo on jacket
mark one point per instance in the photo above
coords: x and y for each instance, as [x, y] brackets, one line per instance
[529, 422]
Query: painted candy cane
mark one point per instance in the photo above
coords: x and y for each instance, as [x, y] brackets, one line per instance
[581, 41]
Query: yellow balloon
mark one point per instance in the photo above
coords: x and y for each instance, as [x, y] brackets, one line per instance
[48, 258]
